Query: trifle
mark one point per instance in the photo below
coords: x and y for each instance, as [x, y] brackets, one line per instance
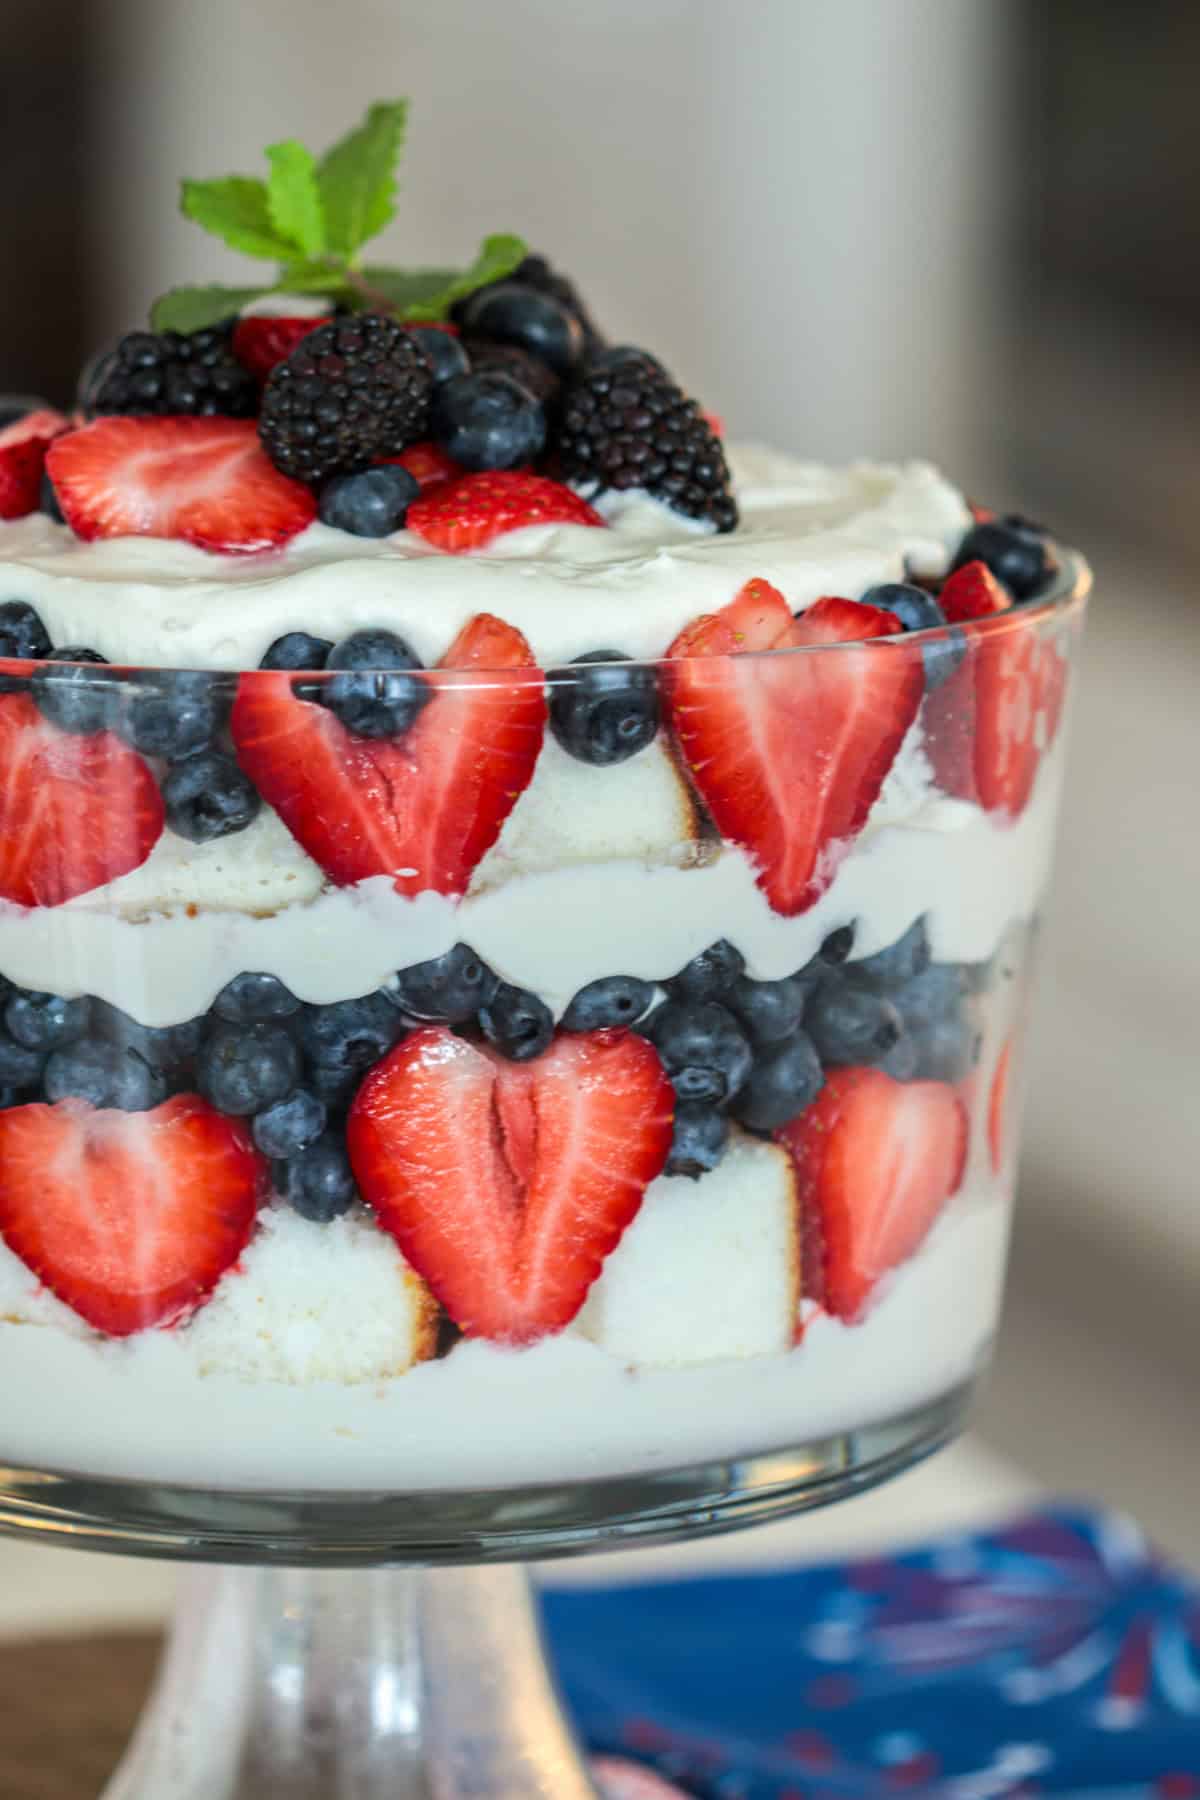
[513, 910]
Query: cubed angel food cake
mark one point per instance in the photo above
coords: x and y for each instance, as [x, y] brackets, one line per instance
[512, 910]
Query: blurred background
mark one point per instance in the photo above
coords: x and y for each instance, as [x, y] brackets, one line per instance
[967, 229]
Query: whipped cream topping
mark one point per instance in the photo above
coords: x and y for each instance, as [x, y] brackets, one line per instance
[809, 529]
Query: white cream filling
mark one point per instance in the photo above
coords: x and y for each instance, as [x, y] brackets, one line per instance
[569, 588]
[557, 929]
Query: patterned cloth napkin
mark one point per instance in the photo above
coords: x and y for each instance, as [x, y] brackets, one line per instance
[1057, 1655]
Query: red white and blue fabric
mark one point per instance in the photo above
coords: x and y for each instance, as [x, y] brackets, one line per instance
[1056, 1656]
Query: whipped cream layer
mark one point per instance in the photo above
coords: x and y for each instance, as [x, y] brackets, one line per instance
[809, 529]
[481, 1417]
[970, 874]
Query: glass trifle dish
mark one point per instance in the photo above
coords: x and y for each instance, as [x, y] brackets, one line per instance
[514, 917]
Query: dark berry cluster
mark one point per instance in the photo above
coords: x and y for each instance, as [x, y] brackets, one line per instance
[172, 372]
[352, 391]
[625, 424]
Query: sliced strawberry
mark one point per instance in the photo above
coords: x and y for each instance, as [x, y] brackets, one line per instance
[982, 515]
[715, 423]
[470, 513]
[998, 1108]
[208, 481]
[261, 342]
[75, 812]
[130, 1218]
[789, 753]
[987, 727]
[428, 465]
[876, 1160]
[972, 592]
[424, 807]
[507, 1184]
[23, 447]
[948, 721]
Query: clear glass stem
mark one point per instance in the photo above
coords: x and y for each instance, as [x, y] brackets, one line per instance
[290, 1684]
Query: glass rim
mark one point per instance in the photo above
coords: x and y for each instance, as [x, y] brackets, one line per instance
[1065, 595]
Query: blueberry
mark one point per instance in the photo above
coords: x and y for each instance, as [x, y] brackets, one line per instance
[319, 1184]
[297, 650]
[336, 1087]
[20, 1067]
[703, 1049]
[23, 637]
[488, 421]
[45, 1021]
[701, 1136]
[347, 1036]
[1014, 550]
[15, 407]
[947, 1048]
[894, 966]
[73, 696]
[710, 974]
[375, 695]
[370, 503]
[243, 1068]
[207, 796]
[837, 946]
[517, 1023]
[902, 1060]
[510, 313]
[919, 611]
[782, 1083]
[606, 713]
[443, 351]
[289, 1126]
[251, 996]
[851, 1024]
[165, 1047]
[613, 1000]
[48, 501]
[936, 993]
[611, 356]
[174, 712]
[771, 1010]
[449, 988]
[106, 1075]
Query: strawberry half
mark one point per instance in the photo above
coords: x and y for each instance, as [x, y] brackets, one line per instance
[23, 447]
[507, 1184]
[259, 343]
[208, 481]
[470, 513]
[789, 753]
[130, 1218]
[876, 1160]
[424, 807]
[428, 465]
[972, 592]
[75, 812]
[988, 726]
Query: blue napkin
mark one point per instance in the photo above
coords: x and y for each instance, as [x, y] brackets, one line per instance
[1057, 1655]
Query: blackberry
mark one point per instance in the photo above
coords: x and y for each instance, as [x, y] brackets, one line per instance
[535, 272]
[351, 391]
[174, 372]
[532, 373]
[628, 426]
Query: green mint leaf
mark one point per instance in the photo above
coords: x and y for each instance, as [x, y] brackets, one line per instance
[316, 277]
[194, 308]
[293, 197]
[237, 210]
[422, 294]
[357, 178]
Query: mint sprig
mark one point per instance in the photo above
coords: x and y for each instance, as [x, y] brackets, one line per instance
[312, 218]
